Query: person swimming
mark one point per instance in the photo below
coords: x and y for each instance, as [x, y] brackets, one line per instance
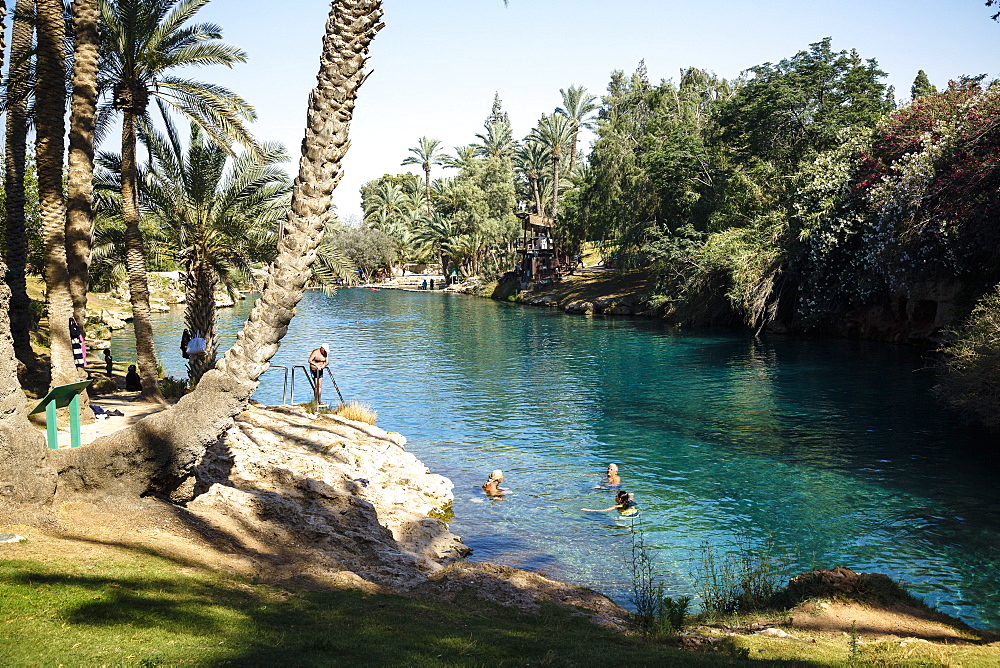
[624, 504]
[492, 485]
[611, 477]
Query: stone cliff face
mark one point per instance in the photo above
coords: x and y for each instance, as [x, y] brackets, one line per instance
[327, 496]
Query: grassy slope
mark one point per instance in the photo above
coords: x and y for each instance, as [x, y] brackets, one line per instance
[128, 608]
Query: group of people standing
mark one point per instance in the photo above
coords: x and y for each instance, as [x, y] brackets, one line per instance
[624, 501]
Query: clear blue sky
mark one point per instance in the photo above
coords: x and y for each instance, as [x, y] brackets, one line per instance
[437, 63]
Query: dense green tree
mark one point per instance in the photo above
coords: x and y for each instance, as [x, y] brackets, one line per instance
[790, 111]
[922, 86]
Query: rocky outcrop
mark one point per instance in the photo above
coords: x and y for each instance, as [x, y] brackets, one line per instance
[322, 500]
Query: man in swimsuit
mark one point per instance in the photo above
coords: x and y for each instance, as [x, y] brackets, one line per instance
[318, 359]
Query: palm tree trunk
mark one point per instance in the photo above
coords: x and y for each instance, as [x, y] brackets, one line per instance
[83, 117]
[572, 148]
[199, 316]
[538, 194]
[50, 98]
[555, 183]
[157, 453]
[21, 321]
[135, 262]
[427, 189]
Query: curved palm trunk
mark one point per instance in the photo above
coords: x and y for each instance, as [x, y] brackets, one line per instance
[199, 316]
[135, 262]
[50, 97]
[157, 453]
[79, 186]
[14, 162]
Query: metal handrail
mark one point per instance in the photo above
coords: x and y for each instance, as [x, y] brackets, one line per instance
[284, 387]
[312, 383]
[334, 381]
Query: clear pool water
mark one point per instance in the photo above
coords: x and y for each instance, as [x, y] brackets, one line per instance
[834, 449]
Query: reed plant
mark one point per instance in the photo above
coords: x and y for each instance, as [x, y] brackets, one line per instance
[745, 580]
[658, 615]
[357, 411]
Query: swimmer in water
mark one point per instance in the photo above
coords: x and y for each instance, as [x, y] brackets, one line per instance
[611, 477]
[492, 485]
[624, 504]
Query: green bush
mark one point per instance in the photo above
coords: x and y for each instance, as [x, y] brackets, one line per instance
[971, 383]
[172, 388]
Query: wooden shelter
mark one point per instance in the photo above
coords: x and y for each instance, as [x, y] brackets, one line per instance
[542, 260]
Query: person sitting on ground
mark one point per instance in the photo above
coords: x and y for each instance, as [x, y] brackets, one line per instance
[132, 382]
[318, 359]
[492, 486]
[624, 504]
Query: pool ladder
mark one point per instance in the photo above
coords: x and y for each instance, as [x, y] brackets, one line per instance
[288, 389]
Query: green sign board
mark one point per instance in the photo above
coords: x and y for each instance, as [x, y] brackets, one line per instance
[61, 397]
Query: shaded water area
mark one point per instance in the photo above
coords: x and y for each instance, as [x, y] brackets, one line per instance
[832, 448]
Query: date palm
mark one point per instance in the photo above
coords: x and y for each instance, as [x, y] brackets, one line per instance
[144, 40]
[578, 106]
[50, 126]
[426, 153]
[532, 158]
[80, 159]
[223, 217]
[16, 131]
[555, 132]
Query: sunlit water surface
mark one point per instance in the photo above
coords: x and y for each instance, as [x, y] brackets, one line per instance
[834, 449]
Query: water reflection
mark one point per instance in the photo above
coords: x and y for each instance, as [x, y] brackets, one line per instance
[833, 448]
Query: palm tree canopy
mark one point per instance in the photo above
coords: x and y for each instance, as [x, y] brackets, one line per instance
[427, 152]
[143, 41]
[578, 105]
[223, 212]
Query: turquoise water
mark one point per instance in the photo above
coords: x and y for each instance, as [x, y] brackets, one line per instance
[832, 448]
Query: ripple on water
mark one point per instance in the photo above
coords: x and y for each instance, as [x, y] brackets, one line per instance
[832, 448]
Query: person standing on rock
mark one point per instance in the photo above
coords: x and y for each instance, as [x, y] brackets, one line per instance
[318, 359]
[109, 362]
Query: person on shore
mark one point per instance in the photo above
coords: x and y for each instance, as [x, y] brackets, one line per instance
[624, 504]
[492, 485]
[132, 381]
[318, 359]
[109, 362]
[432, 284]
[185, 340]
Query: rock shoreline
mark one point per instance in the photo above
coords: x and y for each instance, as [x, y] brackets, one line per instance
[319, 500]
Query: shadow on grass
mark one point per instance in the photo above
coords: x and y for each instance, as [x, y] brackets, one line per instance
[168, 617]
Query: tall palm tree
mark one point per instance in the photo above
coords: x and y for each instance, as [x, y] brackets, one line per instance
[143, 41]
[532, 158]
[50, 125]
[222, 217]
[555, 132]
[497, 142]
[464, 156]
[80, 160]
[426, 153]
[18, 86]
[578, 106]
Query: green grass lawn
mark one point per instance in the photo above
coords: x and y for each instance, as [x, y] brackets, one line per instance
[139, 610]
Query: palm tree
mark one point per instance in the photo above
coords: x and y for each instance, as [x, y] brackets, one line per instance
[579, 107]
[18, 85]
[144, 40]
[555, 132]
[50, 125]
[497, 142]
[222, 220]
[427, 152]
[80, 167]
[532, 158]
[464, 156]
